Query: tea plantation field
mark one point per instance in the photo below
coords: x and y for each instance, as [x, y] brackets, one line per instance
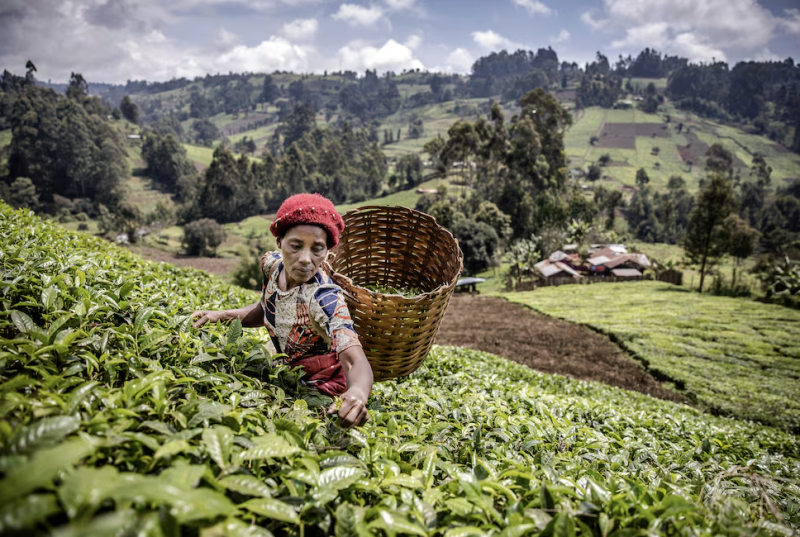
[734, 356]
[119, 418]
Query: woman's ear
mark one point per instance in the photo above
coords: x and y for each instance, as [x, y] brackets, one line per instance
[278, 242]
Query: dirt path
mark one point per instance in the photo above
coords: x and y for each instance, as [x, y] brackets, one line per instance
[542, 343]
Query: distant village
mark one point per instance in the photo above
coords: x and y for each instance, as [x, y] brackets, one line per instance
[601, 260]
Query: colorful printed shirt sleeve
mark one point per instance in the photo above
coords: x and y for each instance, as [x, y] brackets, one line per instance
[268, 263]
[329, 311]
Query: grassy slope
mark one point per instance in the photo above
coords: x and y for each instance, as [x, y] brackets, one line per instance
[737, 357]
[786, 165]
[459, 447]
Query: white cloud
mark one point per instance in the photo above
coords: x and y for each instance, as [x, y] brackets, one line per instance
[726, 23]
[562, 37]
[392, 56]
[588, 19]
[356, 15]
[400, 4]
[696, 48]
[792, 23]
[413, 42]
[275, 53]
[649, 35]
[301, 29]
[489, 40]
[765, 55]
[224, 40]
[534, 7]
[459, 61]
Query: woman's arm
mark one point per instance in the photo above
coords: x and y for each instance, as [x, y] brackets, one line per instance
[359, 386]
[252, 316]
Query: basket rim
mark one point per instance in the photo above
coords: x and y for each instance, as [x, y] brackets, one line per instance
[415, 298]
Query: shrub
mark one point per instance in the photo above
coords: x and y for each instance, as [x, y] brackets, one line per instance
[201, 236]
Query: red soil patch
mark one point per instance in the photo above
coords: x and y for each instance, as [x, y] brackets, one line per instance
[623, 135]
[544, 344]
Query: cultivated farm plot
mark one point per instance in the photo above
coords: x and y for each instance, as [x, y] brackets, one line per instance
[737, 357]
[121, 418]
[624, 135]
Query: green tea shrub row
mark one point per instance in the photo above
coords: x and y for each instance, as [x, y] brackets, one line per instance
[119, 418]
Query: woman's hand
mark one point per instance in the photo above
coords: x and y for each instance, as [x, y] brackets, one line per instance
[204, 317]
[354, 408]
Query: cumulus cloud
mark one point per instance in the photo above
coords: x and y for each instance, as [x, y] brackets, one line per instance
[726, 23]
[413, 42]
[356, 15]
[224, 40]
[587, 17]
[300, 29]
[490, 40]
[696, 48]
[534, 7]
[400, 4]
[459, 61]
[562, 37]
[791, 23]
[654, 35]
[392, 56]
[274, 53]
[69, 37]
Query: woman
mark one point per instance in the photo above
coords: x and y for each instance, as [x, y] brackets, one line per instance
[304, 311]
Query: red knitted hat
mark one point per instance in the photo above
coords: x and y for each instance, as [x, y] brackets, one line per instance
[312, 209]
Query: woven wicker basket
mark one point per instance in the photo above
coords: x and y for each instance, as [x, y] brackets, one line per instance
[400, 248]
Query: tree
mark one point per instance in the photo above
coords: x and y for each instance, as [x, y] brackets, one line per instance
[742, 239]
[478, 243]
[129, 109]
[201, 236]
[300, 121]
[604, 159]
[594, 172]
[166, 159]
[269, 91]
[78, 88]
[642, 178]
[22, 194]
[706, 239]
[205, 132]
[408, 170]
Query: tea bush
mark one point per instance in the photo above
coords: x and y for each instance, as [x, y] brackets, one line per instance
[119, 418]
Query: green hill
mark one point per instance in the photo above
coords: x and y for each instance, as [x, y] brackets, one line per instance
[119, 417]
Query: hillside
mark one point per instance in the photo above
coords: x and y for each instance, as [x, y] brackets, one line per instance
[120, 417]
[670, 142]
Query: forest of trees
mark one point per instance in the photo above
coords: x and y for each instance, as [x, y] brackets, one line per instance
[63, 148]
[66, 156]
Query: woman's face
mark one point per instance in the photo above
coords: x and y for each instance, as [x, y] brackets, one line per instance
[304, 248]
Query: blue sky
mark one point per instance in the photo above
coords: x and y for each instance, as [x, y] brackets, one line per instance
[117, 40]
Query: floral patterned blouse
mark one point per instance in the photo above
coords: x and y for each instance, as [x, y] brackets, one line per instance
[308, 320]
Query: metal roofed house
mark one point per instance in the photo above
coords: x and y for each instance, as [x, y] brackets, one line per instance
[550, 269]
[627, 273]
[629, 261]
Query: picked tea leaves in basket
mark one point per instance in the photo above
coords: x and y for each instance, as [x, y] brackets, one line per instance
[398, 269]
